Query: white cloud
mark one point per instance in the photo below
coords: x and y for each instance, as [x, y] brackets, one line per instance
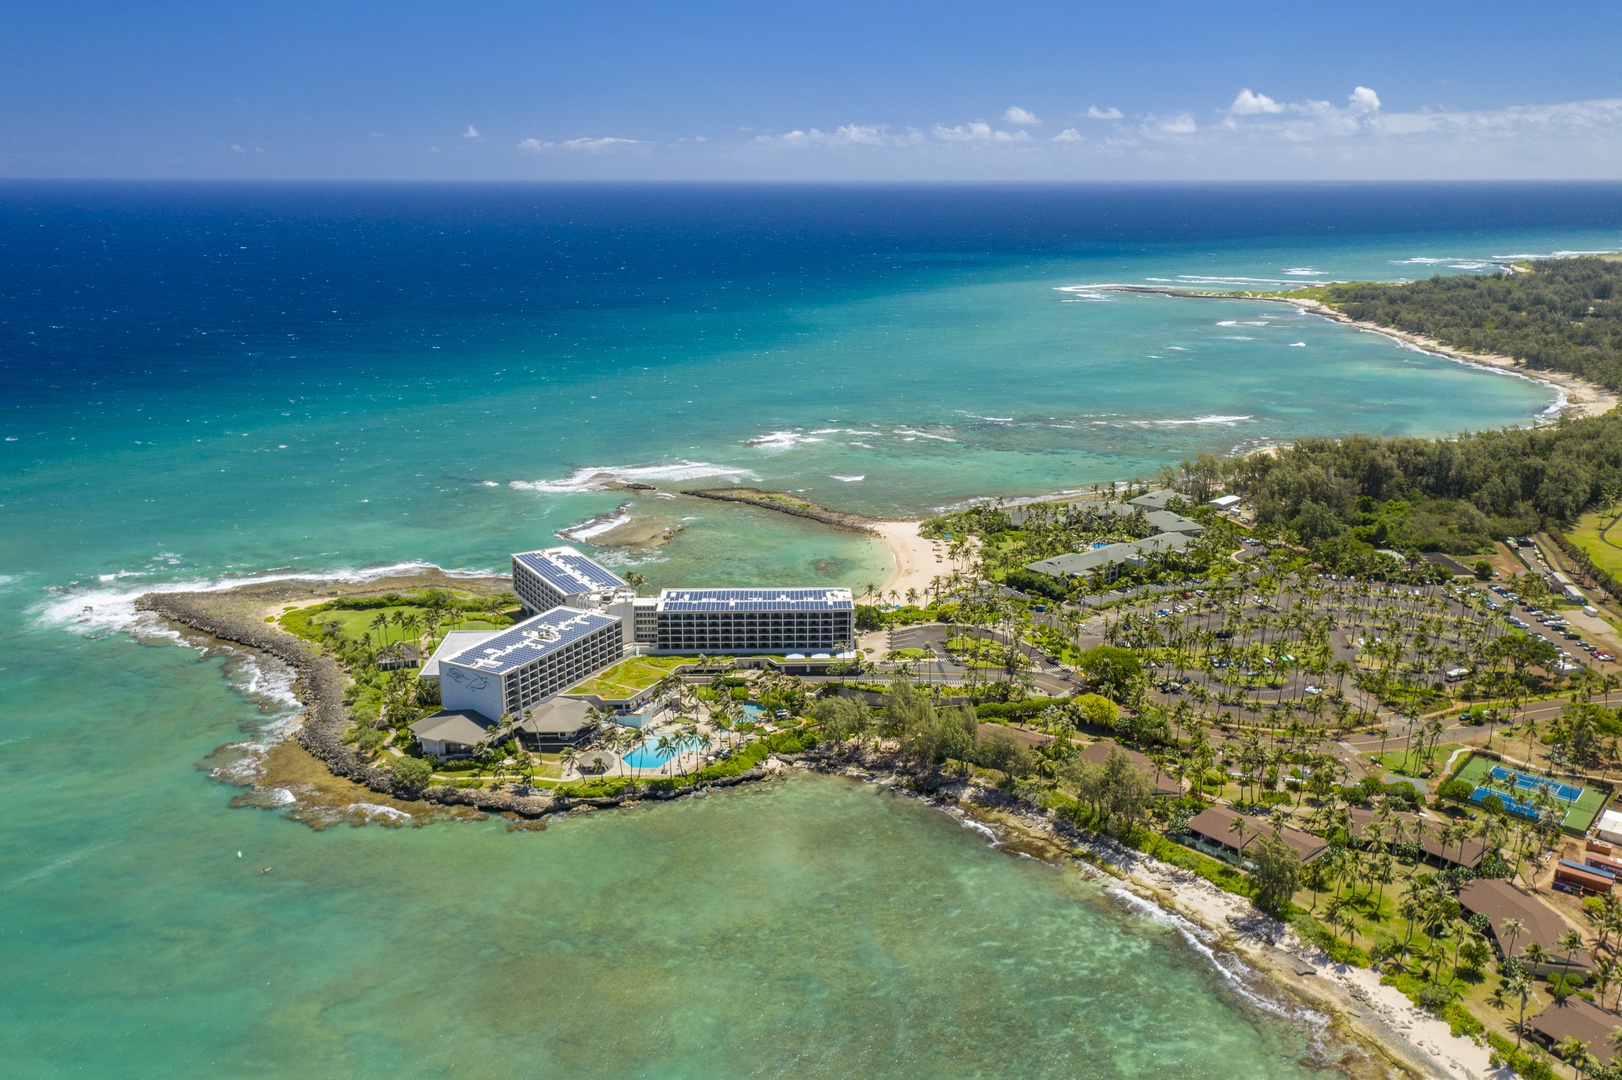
[1364, 101]
[587, 145]
[1181, 124]
[471, 132]
[238, 148]
[1110, 113]
[1070, 135]
[978, 131]
[844, 135]
[598, 144]
[1022, 117]
[1249, 103]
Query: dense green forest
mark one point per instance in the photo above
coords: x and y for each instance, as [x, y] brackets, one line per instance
[1437, 494]
[1562, 314]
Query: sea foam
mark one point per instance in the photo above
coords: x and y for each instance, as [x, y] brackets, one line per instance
[598, 477]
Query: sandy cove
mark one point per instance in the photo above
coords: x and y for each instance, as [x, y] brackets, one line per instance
[1581, 397]
[1399, 1037]
[917, 559]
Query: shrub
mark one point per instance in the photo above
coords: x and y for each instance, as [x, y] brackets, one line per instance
[1457, 791]
[412, 772]
[604, 788]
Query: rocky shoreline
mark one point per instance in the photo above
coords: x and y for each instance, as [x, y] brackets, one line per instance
[235, 618]
[1396, 1037]
[789, 504]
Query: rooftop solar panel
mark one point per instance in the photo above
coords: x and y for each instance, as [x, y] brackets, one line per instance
[568, 571]
[703, 600]
[531, 639]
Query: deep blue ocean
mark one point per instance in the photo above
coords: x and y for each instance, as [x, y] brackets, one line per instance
[204, 382]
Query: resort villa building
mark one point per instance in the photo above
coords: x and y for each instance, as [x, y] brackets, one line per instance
[1169, 532]
[1500, 902]
[580, 619]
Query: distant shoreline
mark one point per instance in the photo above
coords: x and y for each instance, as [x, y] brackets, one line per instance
[1578, 397]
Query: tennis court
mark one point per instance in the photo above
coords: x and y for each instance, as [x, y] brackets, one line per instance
[1518, 792]
[1523, 782]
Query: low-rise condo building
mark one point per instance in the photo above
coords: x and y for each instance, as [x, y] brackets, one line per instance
[526, 664]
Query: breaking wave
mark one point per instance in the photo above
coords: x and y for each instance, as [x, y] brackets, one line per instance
[599, 477]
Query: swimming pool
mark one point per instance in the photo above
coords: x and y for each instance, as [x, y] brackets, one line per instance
[1523, 782]
[648, 756]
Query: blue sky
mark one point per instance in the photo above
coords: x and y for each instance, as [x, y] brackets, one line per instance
[723, 90]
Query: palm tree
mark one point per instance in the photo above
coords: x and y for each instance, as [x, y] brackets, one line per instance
[1513, 928]
[1569, 943]
[1575, 1052]
[570, 758]
[666, 748]
[1535, 956]
[1615, 1040]
[1521, 987]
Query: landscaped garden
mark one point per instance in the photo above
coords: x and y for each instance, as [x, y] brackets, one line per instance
[630, 677]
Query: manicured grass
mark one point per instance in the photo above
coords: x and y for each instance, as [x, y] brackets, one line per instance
[1393, 759]
[1605, 551]
[355, 622]
[630, 677]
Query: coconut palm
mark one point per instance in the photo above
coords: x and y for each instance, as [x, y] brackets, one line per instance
[1513, 928]
[1521, 987]
[1569, 943]
[1575, 1052]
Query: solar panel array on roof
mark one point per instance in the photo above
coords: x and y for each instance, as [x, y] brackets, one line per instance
[755, 600]
[569, 572]
[531, 639]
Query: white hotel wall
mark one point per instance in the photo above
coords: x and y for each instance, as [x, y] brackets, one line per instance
[469, 688]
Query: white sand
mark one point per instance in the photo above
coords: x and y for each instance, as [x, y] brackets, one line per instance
[917, 559]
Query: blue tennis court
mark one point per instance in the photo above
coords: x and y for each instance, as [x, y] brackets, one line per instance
[1511, 805]
[1523, 782]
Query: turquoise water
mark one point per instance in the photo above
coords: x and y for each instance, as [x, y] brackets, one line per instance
[204, 384]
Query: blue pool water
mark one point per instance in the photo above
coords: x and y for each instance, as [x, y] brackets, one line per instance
[647, 755]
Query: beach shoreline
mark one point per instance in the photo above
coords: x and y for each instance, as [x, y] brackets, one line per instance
[1576, 397]
[916, 560]
[1376, 1018]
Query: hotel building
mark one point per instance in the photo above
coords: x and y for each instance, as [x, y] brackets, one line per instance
[526, 664]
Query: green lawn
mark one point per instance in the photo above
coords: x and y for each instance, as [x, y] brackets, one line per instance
[1607, 551]
[629, 677]
[356, 623]
[1393, 759]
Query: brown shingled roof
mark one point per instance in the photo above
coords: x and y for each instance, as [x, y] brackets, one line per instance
[1468, 853]
[1499, 901]
[1212, 825]
[1579, 1019]
[1099, 752]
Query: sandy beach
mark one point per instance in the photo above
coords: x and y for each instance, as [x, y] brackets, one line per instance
[1582, 398]
[917, 559]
